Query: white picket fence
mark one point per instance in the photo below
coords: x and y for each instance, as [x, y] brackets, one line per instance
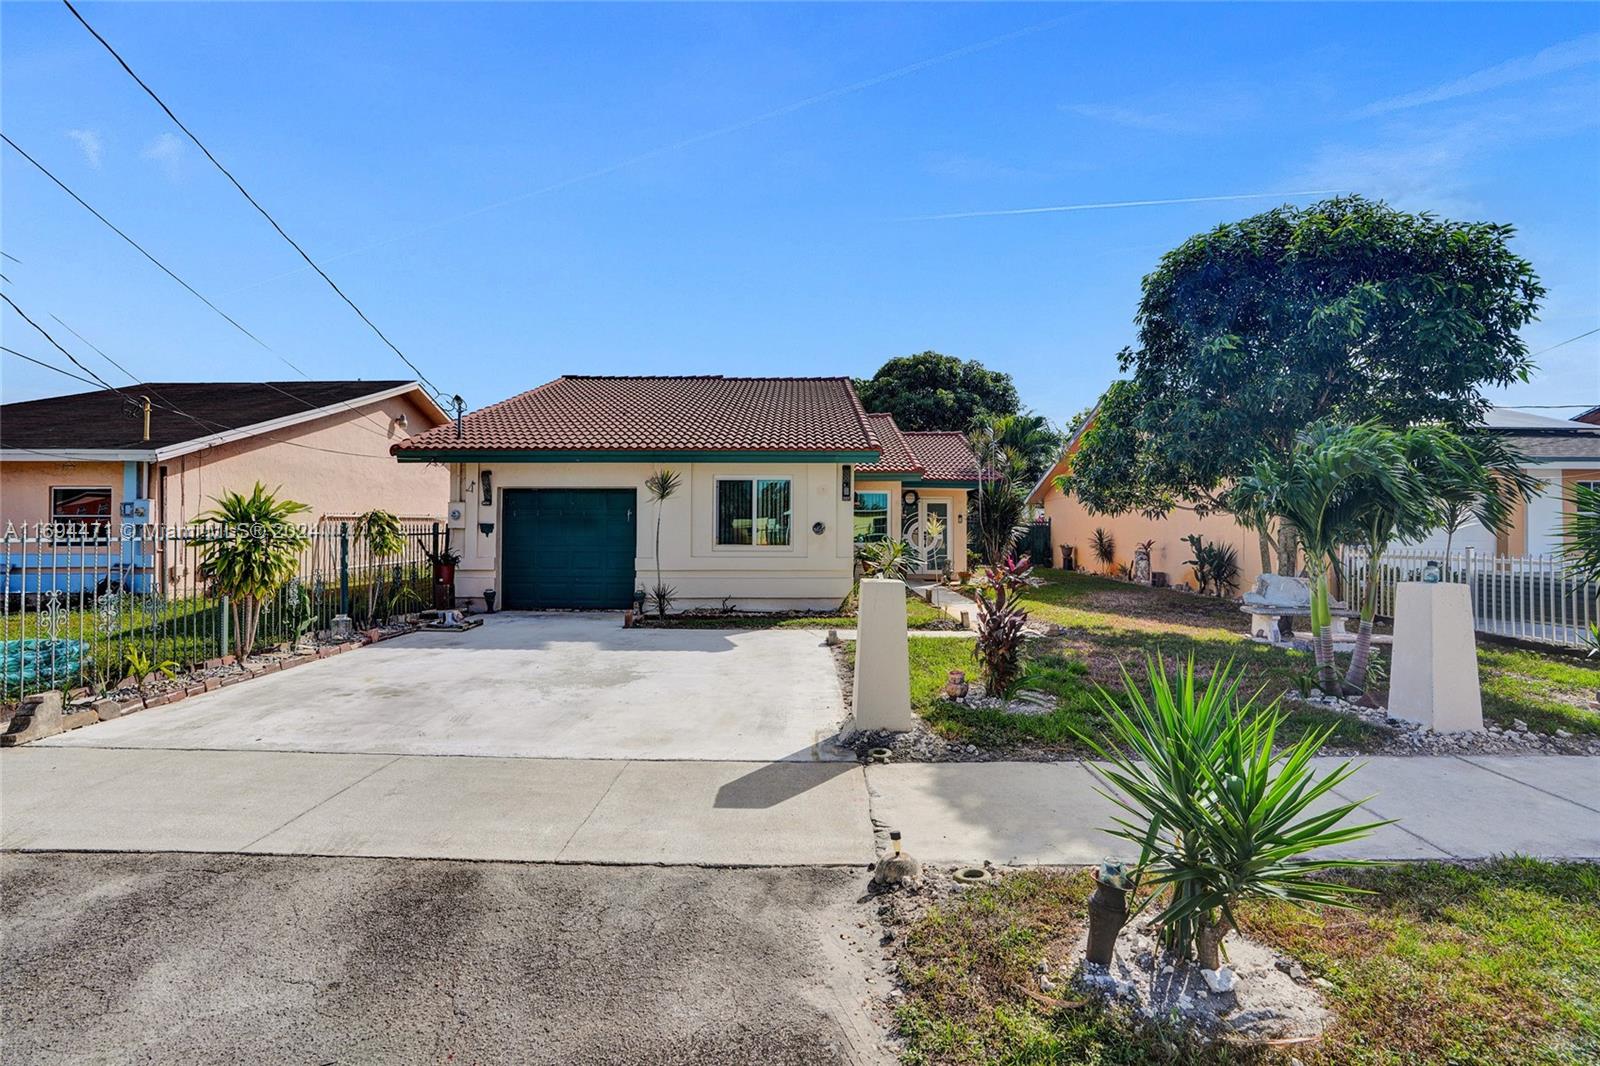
[1529, 597]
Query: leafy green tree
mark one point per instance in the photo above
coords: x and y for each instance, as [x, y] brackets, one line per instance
[1026, 443]
[1003, 518]
[379, 532]
[1346, 310]
[249, 550]
[933, 391]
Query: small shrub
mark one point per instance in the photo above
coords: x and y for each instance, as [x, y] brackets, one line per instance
[885, 558]
[141, 668]
[1216, 566]
[998, 649]
[661, 598]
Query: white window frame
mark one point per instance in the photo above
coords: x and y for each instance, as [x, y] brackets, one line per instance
[716, 495]
[58, 525]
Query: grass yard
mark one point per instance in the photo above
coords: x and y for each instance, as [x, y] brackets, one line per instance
[1112, 625]
[1498, 963]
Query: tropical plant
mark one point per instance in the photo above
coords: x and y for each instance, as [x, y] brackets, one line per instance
[1001, 624]
[1217, 816]
[1580, 533]
[444, 556]
[661, 598]
[1484, 480]
[1253, 331]
[248, 550]
[1104, 548]
[1215, 565]
[405, 600]
[379, 533]
[889, 558]
[661, 486]
[1002, 518]
[141, 668]
[1321, 486]
[1023, 442]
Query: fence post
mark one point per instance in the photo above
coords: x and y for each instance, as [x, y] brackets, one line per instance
[344, 568]
[1468, 571]
[226, 614]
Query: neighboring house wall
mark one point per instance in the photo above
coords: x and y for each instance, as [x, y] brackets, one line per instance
[25, 488]
[813, 572]
[1072, 524]
[332, 482]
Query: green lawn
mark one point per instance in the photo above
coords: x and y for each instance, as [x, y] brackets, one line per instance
[1112, 626]
[1444, 964]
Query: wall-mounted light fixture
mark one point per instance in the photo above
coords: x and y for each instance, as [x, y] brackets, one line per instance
[844, 481]
[486, 479]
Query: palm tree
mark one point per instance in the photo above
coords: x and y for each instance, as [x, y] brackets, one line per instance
[1031, 440]
[661, 485]
[1004, 517]
[379, 532]
[1320, 486]
[1485, 483]
[248, 551]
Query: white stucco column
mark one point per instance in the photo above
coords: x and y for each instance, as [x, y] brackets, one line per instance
[1433, 678]
[883, 664]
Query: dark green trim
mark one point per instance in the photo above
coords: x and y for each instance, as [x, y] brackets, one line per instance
[541, 455]
[870, 476]
[942, 484]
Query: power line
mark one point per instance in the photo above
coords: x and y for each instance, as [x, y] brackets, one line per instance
[1569, 340]
[48, 366]
[253, 203]
[11, 257]
[173, 275]
[164, 268]
[57, 345]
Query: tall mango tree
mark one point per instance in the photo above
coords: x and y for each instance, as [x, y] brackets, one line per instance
[249, 549]
[1321, 487]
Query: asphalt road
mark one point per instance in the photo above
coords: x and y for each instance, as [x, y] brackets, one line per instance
[165, 958]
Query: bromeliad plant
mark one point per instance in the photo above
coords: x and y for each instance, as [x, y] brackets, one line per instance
[249, 549]
[1216, 815]
[1001, 622]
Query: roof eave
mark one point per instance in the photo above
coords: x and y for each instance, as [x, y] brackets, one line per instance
[468, 454]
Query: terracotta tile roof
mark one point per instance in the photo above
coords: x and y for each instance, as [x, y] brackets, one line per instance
[944, 455]
[704, 413]
[897, 457]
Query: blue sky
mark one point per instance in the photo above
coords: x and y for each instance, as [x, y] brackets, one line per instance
[513, 192]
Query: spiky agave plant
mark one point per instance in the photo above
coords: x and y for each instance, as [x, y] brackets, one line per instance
[1217, 816]
[1104, 547]
[661, 486]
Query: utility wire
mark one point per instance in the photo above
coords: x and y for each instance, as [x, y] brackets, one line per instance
[112, 226]
[253, 203]
[11, 257]
[48, 366]
[57, 345]
[1569, 340]
[173, 275]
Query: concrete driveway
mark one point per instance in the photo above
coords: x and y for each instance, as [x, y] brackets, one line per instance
[560, 686]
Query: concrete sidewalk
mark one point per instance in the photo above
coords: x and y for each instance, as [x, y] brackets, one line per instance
[711, 813]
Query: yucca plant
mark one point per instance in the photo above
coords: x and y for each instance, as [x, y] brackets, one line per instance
[661, 486]
[248, 551]
[1216, 815]
[885, 558]
[1104, 547]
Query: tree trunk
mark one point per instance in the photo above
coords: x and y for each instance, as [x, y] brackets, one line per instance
[1288, 563]
[1266, 549]
[1208, 943]
[1355, 679]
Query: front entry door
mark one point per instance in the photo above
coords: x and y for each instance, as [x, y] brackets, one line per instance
[938, 548]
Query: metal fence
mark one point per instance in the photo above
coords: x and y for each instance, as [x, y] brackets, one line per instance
[75, 603]
[1529, 597]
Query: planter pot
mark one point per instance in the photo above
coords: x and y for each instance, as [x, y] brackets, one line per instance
[488, 600]
[1108, 913]
[445, 574]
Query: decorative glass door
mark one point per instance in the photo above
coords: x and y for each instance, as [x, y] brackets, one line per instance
[936, 549]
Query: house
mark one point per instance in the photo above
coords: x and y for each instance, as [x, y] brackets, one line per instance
[101, 467]
[1560, 453]
[780, 478]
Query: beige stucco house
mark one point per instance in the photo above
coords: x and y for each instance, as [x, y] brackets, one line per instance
[84, 477]
[779, 479]
[1559, 453]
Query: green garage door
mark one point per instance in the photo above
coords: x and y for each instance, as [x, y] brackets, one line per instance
[567, 548]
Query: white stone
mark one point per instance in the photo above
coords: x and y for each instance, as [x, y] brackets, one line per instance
[1219, 980]
[882, 689]
[1434, 671]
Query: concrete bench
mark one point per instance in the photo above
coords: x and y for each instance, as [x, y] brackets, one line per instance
[1275, 597]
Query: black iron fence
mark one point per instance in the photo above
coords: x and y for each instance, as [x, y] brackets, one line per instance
[80, 605]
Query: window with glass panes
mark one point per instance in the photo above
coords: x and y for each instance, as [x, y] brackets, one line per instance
[872, 516]
[753, 511]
